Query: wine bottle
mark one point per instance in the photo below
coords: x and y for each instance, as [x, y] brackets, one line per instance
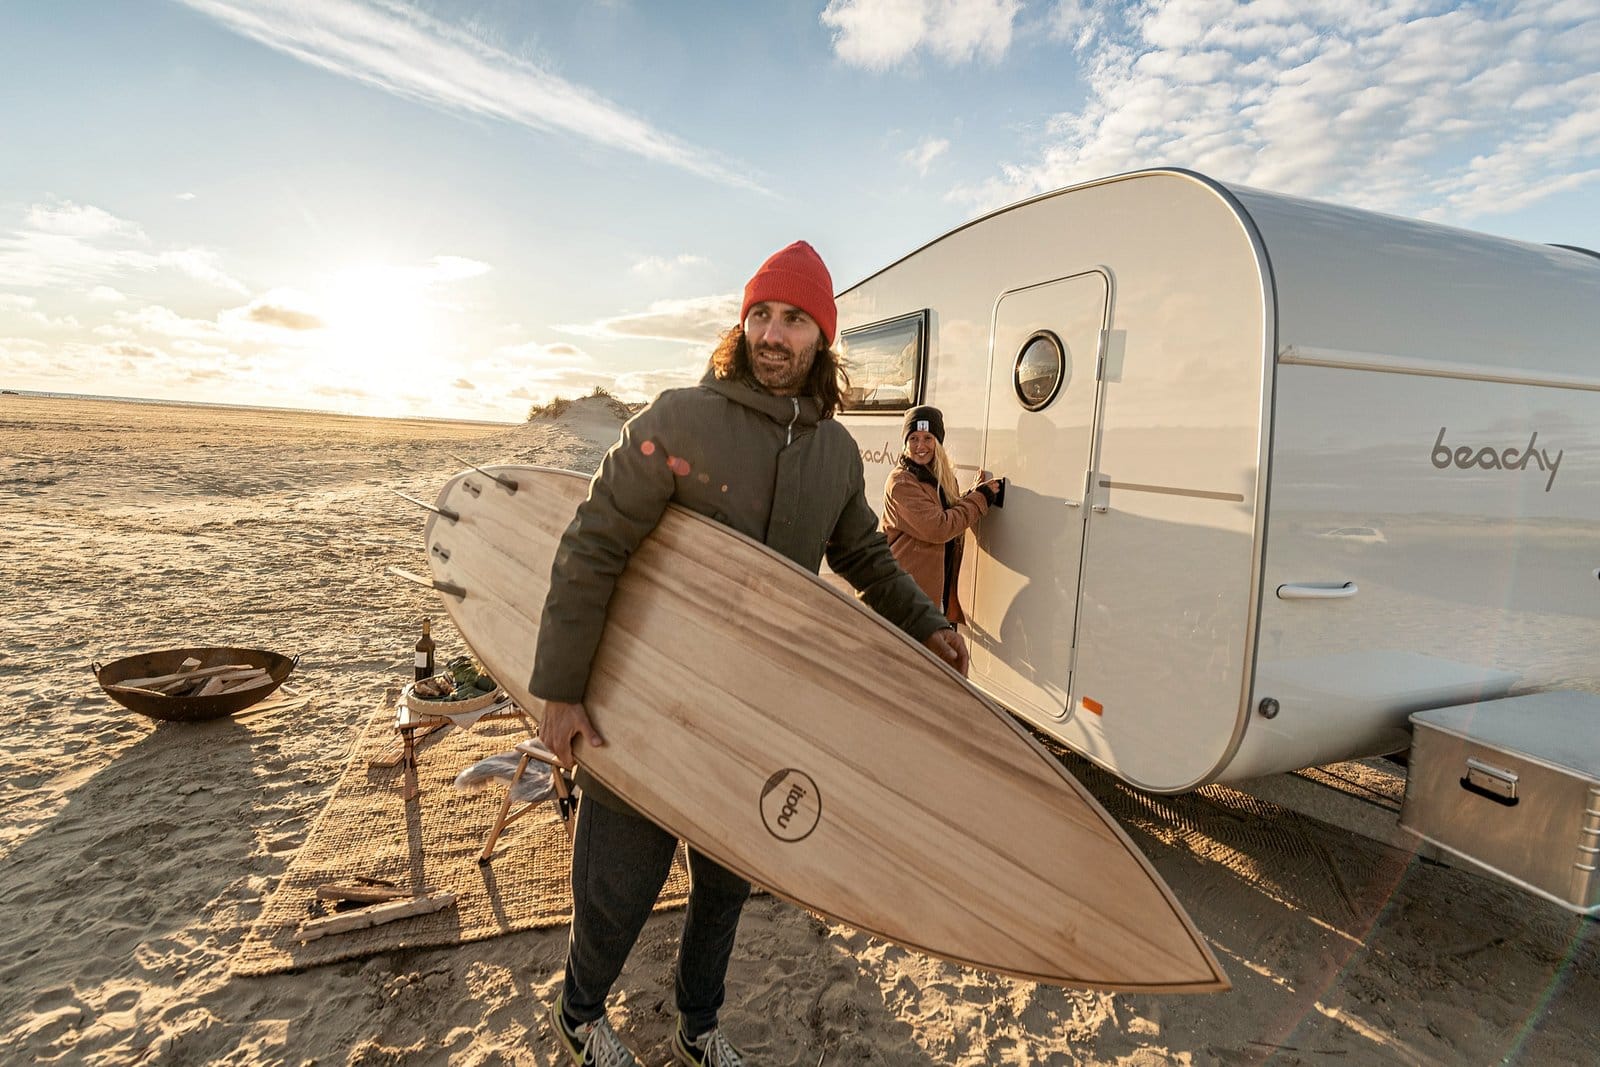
[424, 659]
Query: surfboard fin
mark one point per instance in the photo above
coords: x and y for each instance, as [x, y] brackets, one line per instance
[441, 587]
[453, 516]
[509, 484]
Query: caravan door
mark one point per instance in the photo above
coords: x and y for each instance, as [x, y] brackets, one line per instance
[1043, 358]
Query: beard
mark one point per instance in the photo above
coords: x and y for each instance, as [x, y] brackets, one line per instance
[781, 370]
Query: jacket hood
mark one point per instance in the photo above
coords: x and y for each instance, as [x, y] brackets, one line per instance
[780, 409]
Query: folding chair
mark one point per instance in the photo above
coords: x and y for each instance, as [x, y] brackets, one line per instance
[559, 787]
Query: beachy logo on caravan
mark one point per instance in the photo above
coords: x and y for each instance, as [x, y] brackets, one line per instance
[791, 805]
[1507, 459]
[886, 454]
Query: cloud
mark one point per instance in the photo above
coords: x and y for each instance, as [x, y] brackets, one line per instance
[922, 156]
[519, 358]
[280, 319]
[694, 321]
[405, 51]
[1068, 20]
[645, 384]
[455, 269]
[78, 220]
[134, 351]
[880, 34]
[25, 308]
[64, 244]
[126, 367]
[1410, 106]
[545, 371]
[544, 385]
[541, 385]
[105, 294]
[269, 312]
[659, 265]
[201, 265]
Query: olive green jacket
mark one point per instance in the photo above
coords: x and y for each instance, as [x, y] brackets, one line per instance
[766, 465]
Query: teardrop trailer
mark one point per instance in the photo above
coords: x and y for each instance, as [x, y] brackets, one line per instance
[1288, 484]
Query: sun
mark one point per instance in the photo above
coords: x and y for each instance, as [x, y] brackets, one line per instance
[382, 324]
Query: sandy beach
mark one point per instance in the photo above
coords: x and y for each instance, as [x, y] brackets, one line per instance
[134, 856]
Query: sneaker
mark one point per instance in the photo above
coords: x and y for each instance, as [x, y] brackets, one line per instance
[710, 1049]
[591, 1044]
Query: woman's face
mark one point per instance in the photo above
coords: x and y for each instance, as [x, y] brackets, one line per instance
[920, 445]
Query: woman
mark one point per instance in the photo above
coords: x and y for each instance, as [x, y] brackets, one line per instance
[924, 515]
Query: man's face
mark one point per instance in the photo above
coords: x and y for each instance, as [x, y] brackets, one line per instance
[783, 342]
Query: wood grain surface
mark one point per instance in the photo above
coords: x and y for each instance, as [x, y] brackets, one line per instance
[785, 730]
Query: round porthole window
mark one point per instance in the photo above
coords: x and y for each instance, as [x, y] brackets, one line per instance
[1041, 370]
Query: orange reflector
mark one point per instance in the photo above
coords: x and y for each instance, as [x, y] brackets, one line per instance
[1093, 705]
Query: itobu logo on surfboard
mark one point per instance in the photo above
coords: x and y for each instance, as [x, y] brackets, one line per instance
[791, 805]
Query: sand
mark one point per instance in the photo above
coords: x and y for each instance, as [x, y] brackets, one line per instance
[134, 856]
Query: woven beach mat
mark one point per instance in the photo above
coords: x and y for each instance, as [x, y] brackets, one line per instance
[430, 844]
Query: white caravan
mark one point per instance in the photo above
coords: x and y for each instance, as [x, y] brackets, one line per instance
[1281, 473]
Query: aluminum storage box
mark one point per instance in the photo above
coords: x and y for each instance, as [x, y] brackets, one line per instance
[1513, 786]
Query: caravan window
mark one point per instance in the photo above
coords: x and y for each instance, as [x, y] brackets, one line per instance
[884, 362]
[1041, 366]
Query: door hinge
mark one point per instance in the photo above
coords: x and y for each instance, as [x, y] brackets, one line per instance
[1113, 349]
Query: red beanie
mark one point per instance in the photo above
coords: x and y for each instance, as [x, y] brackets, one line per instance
[795, 275]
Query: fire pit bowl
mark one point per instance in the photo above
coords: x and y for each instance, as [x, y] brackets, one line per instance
[190, 709]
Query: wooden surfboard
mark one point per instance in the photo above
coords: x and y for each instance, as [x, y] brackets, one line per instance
[790, 733]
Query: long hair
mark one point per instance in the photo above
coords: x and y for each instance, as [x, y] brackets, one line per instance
[945, 471]
[828, 381]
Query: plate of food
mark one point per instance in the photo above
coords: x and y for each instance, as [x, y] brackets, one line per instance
[460, 689]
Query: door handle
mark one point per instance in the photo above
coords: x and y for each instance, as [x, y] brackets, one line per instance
[1316, 590]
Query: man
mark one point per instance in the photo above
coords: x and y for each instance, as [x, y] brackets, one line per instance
[754, 446]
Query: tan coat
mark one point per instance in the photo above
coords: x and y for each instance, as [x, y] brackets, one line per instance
[919, 527]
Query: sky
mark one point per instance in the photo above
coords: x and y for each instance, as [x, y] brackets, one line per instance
[461, 209]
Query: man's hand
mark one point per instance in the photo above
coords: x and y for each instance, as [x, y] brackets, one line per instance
[560, 724]
[950, 647]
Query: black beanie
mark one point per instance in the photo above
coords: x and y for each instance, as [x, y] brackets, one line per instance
[925, 417]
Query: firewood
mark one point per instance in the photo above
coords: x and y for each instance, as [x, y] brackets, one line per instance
[241, 674]
[182, 676]
[375, 915]
[250, 681]
[140, 690]
[372, 894]
[212, 687]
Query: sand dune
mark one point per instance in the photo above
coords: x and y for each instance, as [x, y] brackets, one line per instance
[135, 856]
